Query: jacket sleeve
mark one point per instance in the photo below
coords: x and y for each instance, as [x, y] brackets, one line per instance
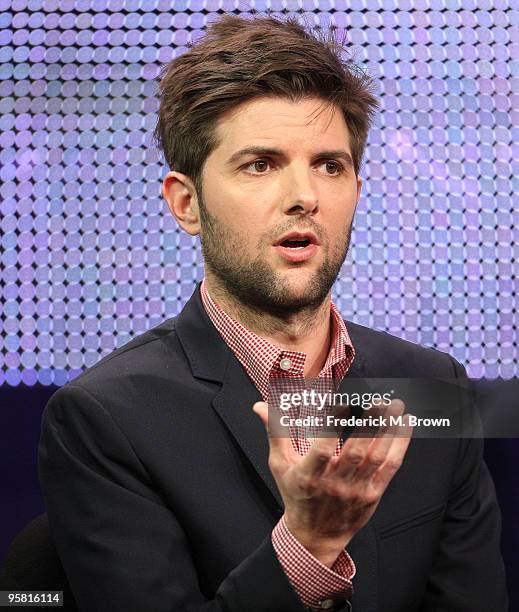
[121, 547]
[468, 573]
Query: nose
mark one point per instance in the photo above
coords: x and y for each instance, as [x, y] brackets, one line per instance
[301, 193]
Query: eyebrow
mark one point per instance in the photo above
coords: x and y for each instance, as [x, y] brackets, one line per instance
[335, 154]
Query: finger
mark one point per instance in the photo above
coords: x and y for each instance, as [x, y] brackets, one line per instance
[352, 454]
[280, 446]
[315, 462]
[361, 456]
[375, 457]
[395, 456]
[380, 446]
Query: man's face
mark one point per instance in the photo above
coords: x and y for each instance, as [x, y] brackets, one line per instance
[279, 195]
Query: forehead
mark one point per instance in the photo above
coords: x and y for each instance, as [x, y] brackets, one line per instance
[269, 119]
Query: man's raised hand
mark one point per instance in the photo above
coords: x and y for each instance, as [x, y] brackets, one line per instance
[329, 498]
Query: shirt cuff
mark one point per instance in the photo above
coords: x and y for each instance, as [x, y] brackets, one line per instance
[316, 585]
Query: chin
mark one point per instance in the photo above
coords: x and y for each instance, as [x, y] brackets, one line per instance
[303, 293]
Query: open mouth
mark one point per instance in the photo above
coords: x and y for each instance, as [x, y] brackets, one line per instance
[296, 247]
[296, 243]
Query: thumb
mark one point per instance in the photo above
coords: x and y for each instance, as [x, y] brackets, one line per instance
[279, 437]
[261, 409]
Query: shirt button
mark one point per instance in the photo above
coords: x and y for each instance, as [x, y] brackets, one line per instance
[285, 364]
[326, 604]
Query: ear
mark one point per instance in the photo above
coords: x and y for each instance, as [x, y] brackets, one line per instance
[180, 194]
[359, 188]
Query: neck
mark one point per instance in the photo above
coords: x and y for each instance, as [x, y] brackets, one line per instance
[307, 331]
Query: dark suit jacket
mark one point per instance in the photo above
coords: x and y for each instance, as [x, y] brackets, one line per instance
[159, 496]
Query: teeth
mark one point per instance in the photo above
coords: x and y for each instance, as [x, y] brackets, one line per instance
[295, 244]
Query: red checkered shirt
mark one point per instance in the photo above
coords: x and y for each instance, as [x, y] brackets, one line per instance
[315, 584]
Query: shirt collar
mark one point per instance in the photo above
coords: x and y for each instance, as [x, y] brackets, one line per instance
[263, 360]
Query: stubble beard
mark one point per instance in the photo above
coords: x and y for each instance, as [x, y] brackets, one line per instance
[254, 283]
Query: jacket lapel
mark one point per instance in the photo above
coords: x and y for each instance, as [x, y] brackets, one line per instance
[234, 405]
[211, 359]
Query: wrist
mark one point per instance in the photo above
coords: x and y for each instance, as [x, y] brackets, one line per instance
[325, 548]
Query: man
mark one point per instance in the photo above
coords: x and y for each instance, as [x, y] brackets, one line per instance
[160, 491]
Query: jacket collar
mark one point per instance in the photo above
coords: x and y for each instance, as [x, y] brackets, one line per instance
[205, 349]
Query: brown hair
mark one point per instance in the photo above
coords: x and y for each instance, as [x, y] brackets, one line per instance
[239, 59]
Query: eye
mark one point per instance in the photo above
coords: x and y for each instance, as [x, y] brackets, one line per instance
[258, 166]
[331, 167]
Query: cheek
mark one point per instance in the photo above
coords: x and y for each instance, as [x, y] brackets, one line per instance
[242, 221]
[239, 206]
[338, 226]
[243, 228]
[246, 216]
